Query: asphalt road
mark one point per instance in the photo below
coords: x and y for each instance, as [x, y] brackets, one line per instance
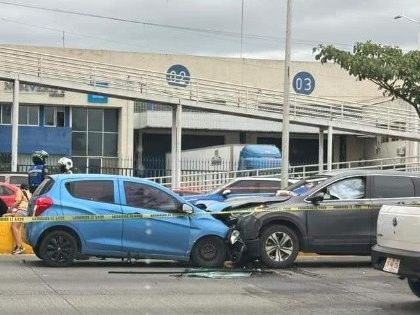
[345, 285]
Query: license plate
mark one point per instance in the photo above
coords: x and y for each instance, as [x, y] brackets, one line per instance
[392, 265]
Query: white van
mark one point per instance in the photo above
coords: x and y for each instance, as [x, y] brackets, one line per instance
[398, 243]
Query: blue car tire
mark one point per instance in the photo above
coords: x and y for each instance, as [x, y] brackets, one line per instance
[58, 249]
[209, 252]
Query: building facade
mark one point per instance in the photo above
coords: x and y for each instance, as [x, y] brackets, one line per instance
[100, 132]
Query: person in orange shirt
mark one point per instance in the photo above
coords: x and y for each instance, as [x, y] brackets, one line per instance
[19, 209]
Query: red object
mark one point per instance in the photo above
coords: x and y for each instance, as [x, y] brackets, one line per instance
[42, 204]
[8, 193]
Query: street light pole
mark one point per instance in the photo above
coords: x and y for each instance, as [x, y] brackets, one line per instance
[285, 129]
[242, 26]
[412, 20]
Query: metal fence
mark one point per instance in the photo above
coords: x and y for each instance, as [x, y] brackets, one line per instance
[206, 181]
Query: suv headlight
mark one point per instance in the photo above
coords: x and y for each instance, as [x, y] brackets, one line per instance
[234, 236]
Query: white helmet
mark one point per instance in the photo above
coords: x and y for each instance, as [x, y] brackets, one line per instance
[65, 164]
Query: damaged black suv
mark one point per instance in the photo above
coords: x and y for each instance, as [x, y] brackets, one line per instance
[335, 213]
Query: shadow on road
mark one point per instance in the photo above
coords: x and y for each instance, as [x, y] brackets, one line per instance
[317, 262]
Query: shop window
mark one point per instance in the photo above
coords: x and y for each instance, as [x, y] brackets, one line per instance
[95, 117]
[54, 116]
[110, 144]
[60, 117]
[49, 114]
[94, 144]
[79, 143]
[111, 120]
[79, 119]
[94, 132]
[5, 114]
[28, 115]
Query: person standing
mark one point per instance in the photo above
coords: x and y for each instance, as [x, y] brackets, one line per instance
[38, 171]
[65, 164]
[19, 209]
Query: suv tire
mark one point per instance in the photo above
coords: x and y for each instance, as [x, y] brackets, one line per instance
[58, 249]
[279, 246]
[209, 252]
[414, 285]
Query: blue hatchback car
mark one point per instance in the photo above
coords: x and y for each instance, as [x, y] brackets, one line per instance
[197, 236]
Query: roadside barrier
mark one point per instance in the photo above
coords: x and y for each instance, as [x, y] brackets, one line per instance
[137, 216]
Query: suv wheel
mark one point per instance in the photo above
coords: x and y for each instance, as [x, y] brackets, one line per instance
[58, 249]
[414, 285]
[209, 252]
[279, 246]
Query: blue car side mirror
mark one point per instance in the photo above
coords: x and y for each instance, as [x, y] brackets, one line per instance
[188, 209]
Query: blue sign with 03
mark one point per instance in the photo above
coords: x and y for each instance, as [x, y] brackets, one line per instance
[303, 83]
[178, 75]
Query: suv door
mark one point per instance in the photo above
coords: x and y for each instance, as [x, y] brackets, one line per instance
[159, 237]
[390, 190]
[94, 197]
[341, 230]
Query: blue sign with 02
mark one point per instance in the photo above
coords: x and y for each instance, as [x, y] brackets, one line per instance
[178, 75]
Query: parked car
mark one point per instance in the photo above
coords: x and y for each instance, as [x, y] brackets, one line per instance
[199, 238]
[8, 193]
[240, 187]
[398, 247]
[336, 216]
[14, 178]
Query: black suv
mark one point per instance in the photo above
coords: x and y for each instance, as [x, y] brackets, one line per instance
[335, 213]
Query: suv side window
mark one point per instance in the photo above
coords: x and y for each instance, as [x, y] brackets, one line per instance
[93, 190]
[349, 188]
[392, 187]
[143, 196]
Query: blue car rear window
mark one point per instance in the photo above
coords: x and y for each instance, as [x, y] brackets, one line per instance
[93, 190]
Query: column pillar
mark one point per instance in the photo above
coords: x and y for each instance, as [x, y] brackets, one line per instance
[329, 148]
[321, 151]
[15, 124]
[176, 145]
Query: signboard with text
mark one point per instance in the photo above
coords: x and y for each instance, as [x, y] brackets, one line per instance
[178, 75]
[303, 83]
[98, 99]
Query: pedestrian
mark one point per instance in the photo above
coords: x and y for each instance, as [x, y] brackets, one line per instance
[65, 164]
[19, 209]
[38, 171]
[3, 207]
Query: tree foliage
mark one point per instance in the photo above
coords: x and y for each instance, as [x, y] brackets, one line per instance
[396, 73]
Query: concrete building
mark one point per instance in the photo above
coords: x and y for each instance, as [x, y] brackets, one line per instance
[98, 131]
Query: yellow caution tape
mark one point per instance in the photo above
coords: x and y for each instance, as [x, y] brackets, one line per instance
[136, 216]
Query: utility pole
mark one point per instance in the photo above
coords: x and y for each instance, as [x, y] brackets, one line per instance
[242, 26]
[285, 131]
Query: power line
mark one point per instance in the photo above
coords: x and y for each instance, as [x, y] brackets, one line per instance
[168, 26]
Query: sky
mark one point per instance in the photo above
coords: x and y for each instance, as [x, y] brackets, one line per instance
[211, 27]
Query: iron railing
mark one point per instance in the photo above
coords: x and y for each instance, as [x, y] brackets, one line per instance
[146, 83]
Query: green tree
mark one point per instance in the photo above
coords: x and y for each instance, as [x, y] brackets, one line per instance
[396, 73]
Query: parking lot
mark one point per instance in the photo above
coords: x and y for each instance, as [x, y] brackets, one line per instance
[315, 285]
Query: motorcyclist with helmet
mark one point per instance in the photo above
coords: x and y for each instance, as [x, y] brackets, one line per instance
[65, 164]
[38, 171]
